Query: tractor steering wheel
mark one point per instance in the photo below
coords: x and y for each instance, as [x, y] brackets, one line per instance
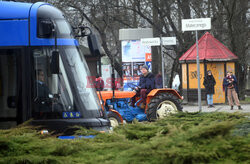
[133, 86]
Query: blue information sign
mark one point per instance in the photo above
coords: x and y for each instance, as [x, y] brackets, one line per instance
[67, 115]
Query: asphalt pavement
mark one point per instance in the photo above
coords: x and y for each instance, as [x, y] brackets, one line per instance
[217, 108]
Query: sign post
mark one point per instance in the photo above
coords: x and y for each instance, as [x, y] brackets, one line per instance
[162, 63]
[198, 71]
[195, 25]
[160, 42]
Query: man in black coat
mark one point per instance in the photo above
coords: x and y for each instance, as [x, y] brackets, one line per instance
[146, 84]
[209, 83]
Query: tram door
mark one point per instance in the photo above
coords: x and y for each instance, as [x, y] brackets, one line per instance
[8, 87]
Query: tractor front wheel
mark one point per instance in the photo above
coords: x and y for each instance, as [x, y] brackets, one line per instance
[114, 119]
[163, 105]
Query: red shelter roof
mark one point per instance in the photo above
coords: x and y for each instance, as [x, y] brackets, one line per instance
[209, 49]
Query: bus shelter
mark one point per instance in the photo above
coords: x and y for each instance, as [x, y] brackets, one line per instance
[213, 56]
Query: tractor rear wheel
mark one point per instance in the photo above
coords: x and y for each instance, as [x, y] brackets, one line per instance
[163, 105]
[114, 119]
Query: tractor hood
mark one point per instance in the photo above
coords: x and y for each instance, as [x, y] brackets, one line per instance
[118, 94]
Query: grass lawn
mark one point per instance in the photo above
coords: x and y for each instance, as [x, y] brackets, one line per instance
[246, 101]
[181, 138]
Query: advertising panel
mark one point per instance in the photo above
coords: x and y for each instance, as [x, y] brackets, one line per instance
[134, 56]
[127, 69]
[133, 51]
[137, 68]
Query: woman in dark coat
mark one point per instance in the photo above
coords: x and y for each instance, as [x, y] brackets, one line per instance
[209, 83]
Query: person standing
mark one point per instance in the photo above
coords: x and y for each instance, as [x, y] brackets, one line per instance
[99, 83]
[158, 80]
[230, 85]
[209, 83]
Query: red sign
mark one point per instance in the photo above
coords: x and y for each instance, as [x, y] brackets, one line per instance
[148, 57]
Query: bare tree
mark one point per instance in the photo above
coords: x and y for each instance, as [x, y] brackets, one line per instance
[106, 17]
[237, 33]
[229, 22]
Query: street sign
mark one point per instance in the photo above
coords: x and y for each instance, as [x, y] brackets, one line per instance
[196, 24]
[169, 40]
[157, 41]
[151, 41]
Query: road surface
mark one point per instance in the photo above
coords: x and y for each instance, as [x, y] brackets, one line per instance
[217, 108]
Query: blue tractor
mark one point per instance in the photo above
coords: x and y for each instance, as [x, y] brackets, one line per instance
[160, 103]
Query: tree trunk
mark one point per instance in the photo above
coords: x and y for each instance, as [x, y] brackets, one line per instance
[156, 55]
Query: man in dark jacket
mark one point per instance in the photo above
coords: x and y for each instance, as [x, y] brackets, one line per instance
[44, 101]
[209, 83]
[146, 84]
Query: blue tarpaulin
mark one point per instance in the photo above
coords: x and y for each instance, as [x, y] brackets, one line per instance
[76, 137]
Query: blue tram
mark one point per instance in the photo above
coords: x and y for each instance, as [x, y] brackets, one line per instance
[43, 75]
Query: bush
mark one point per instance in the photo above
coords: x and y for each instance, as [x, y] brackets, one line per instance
[180, 138]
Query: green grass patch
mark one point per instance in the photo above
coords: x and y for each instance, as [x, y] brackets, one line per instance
[246, 101]
[181, 138]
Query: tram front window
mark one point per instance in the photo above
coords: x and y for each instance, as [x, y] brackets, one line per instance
[53, 94]
[67, 91]
[78, 69]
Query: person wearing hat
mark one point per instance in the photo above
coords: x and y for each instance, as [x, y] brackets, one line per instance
[99, 83]
[230, 85]
[158, 80]
[209, 83]
[146, 84]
